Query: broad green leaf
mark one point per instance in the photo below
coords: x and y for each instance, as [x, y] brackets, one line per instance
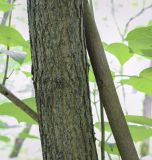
[1, 76]
[11, 37]
[12, 110]
[120, 51]
[28, 74]
[141, 120]
[134, 129]
[140, 133]
[5, 6]
[139, 40]
[150, 23]
[111, 148]
[142, 83]
[107, 126]
[146, 73]
[4, 139]
[19, 57]
[3, 125]
[147, 53]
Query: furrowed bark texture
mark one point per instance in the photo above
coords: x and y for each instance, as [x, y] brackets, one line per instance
[107, 90]
[60, 79]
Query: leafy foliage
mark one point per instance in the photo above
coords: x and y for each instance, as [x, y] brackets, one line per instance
[139, 40]
[134, 129]
[141, 120]
[12, 110]
[142, 83]
[120, 51]
[5, 6]
[4, 139]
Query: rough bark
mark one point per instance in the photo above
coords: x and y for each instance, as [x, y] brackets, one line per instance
[60, 79]
[107, 89]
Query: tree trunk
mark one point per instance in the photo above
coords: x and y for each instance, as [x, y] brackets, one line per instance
[59, 66]
[147, 112]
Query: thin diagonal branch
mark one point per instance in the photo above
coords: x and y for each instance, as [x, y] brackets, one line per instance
[115, 20]
[137, 15]
[5, 16]
[19, 142]
[8, 94]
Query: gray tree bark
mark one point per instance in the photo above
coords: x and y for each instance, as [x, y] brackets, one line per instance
[60, 79]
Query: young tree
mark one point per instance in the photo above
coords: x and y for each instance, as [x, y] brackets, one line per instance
[60, 79]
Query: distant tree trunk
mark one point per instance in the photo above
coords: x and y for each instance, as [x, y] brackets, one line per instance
[60, 79]
[147, 112]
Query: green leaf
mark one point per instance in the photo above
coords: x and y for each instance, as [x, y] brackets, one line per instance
[5, 6]
[150, 23]
[12, 110]
[139, 120]
[111, 148]
[142, 83]
[27, 74]
[140, 133]
[107, 126]
[11, 37]
[146, 73]
[3, 125]
[4, 139]
[120, 51]
[139, 40]
[134, 130]
[147, 53]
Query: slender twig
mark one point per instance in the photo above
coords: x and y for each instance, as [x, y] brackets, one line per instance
[101, 110]
[8, 94]
[6, 70]
[95, 102]
[123, 75]
[8, 47]
[5, 16]
[123, 92]
[134, 17]
[109, 156]
[107, 139]
[102, 131]
[10, 74]
[115, 20]
[122, 38]
[19, 142]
